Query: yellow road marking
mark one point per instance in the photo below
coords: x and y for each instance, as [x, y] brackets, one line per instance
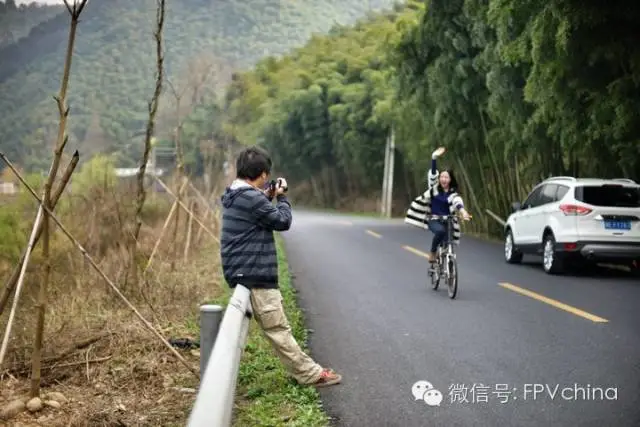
[554, 303]
[374, 234]
[416, 251]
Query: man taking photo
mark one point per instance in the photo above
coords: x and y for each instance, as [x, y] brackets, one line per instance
[249, 258]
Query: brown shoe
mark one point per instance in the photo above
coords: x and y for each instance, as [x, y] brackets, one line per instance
[431, 256]
[327, 378]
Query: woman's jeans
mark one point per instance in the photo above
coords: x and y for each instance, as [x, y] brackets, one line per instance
[439, 230]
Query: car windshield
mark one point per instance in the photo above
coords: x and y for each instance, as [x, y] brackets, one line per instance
[609, 195]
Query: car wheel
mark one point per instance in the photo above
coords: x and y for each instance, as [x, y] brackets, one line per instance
[511, 253]
[551, 260]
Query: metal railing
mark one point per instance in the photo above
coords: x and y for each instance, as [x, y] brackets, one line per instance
[221, 349]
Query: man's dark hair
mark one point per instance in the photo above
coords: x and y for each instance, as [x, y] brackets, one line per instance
[252, 162]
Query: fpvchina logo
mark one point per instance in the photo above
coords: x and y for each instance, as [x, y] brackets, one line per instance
[503, 393]
[424, 390]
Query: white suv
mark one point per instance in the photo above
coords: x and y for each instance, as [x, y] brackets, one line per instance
[566, 218]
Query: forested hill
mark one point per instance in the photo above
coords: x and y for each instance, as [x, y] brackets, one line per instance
[113, 68]
[17, 20]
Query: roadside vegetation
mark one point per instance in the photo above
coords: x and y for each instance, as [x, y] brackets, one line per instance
[267, 396]
[515, 90]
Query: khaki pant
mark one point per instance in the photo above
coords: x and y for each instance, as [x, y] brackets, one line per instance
[269, 313]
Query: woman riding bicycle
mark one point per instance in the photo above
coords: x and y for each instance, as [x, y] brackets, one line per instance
[440, 199]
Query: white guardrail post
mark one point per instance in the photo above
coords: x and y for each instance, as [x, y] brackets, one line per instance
[210, 318]
[216, 395]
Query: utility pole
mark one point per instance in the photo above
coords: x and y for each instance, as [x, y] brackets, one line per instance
[389, 198]
[385, 179]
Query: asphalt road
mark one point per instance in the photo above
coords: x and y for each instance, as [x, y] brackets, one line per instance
[376, 320]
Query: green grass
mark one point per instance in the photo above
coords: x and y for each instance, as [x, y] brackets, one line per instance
[266, 396]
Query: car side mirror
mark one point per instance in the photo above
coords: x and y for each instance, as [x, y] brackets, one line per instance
[516, 206]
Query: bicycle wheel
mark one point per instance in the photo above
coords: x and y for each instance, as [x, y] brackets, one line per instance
[452, 278]
[434, 272]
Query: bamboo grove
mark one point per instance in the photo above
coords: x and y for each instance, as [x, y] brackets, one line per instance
[517, 90]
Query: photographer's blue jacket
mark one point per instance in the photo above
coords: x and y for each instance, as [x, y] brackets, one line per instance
[247, 245]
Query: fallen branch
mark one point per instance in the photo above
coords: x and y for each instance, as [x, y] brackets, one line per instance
[22, 367]
[78, 346]
[83, 362]
[99, 270]
[186, 209]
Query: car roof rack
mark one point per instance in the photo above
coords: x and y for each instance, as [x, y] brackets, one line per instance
[563, 178]
[630, 181]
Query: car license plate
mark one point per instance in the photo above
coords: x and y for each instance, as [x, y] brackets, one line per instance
[617, 225]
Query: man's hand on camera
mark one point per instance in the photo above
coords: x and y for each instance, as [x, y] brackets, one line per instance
[281, 186]
[267, 192]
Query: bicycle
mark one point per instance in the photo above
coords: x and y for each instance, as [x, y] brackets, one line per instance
[446, 264]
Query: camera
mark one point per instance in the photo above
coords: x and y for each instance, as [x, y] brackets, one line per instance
[273, 185]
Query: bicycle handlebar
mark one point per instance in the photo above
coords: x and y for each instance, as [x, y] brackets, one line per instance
[430, 217]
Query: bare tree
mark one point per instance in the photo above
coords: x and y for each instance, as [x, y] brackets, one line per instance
[74, 10]
[196, 84]
[153, 109]
[207, 76]
[178, 94]
[198, 73]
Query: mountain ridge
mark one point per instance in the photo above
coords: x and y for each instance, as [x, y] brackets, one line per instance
[17, 20]
[114, 62]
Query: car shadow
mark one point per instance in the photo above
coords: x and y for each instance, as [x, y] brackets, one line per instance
[593, 271]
